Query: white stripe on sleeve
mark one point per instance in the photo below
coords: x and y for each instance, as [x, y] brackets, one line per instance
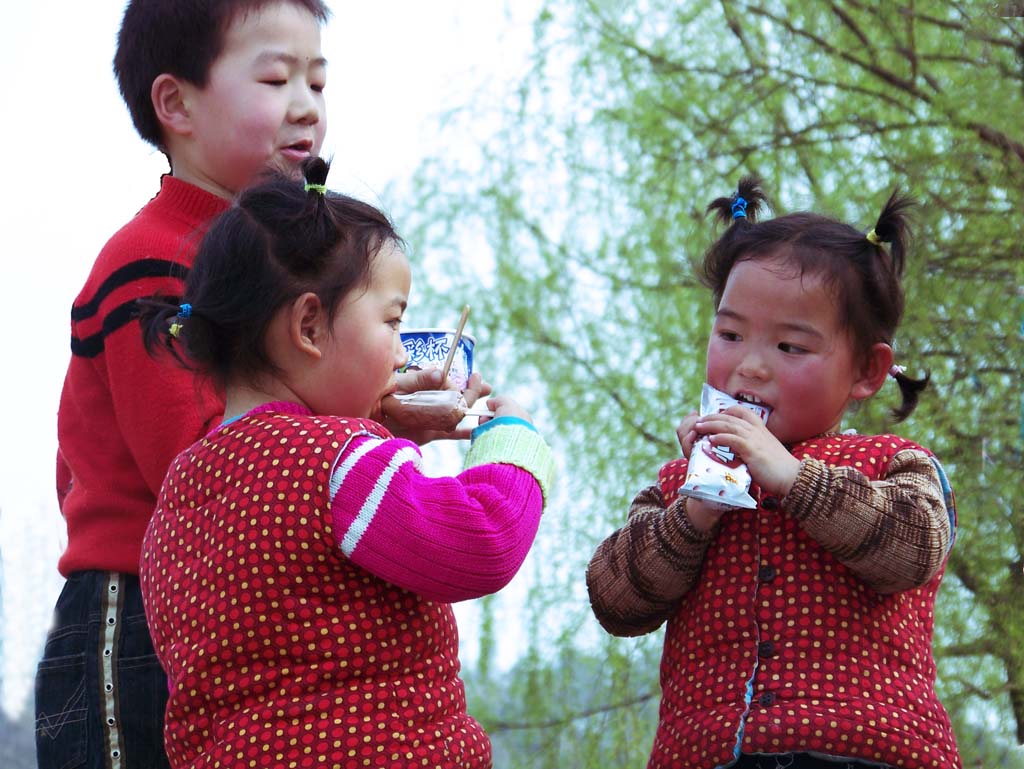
[338, 472]
[369, 509]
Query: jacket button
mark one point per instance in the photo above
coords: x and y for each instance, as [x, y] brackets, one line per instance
[766, 649]
[766, 573]
[770, 503]
[767, 699]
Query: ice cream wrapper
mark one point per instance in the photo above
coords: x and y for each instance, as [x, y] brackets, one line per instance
[714, 473]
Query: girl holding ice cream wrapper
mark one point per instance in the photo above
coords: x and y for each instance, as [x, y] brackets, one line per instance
[799, 610]
[715, 474]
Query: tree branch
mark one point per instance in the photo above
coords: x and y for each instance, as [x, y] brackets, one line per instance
[997, 138]
[886, 76]
[508, 726]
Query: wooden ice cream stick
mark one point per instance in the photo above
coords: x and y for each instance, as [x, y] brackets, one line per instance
[481, 411]
[455, 344]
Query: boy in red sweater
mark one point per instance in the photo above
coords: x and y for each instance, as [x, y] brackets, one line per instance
[222, 89]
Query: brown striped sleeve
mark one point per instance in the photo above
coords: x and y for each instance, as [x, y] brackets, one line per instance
[638, 574]
[894, 533]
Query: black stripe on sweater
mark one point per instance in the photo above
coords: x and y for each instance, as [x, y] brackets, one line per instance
[91, 346]
[138, 270]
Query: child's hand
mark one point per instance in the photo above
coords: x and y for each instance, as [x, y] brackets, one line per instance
[415, 380]
[503, 406]
[770, 463]
[704, 515]
[476, 387]
[686, 434]
[430, 379]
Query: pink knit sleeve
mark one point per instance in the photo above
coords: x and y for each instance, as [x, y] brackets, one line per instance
[448, 539]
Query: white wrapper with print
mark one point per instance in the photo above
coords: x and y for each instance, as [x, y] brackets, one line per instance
[714, 474]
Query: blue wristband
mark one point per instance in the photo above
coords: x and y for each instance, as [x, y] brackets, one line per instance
[497, 421]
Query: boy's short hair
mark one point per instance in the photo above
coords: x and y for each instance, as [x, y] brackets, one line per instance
[180, 37]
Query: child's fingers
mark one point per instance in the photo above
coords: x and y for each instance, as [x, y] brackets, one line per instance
[735, 420]
[686, 423]
[716, 423]
[728, 430]
[476, 388]
[685, 432]
[747, 415]
[415, 380]
[686, 440]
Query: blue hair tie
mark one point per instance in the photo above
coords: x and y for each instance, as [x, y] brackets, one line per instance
[739, 208]
[184, 311]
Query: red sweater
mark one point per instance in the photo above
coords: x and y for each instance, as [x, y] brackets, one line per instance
[780, 648]
[297, 575]
[123, 416]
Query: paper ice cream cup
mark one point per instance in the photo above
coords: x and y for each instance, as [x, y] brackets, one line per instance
[429, 347]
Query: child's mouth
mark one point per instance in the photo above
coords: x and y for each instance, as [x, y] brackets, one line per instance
[301, 149]
[748, 398]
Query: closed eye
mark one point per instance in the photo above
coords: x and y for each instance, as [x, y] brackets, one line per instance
[792, 348]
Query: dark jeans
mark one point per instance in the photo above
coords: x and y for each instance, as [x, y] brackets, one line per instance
[800, 761]
[100, 692]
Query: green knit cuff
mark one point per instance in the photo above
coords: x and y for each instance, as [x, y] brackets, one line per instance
[514, 445]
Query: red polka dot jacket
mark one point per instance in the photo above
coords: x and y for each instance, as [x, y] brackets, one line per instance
[297, 576]
[803, 625]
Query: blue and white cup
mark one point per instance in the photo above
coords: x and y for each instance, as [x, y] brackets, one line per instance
[428, 348]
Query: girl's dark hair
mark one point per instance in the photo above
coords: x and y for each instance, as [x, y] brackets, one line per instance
[281, 239]
[863, 275]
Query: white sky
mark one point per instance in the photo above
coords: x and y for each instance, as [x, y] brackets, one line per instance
[75, 171]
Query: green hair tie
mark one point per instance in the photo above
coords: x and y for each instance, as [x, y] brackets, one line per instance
[321, 188]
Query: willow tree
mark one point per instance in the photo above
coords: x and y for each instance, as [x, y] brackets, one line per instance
[573, 228]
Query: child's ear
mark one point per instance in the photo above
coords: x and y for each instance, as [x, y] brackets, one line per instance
[170, 103]
[308, 325]
[873, 371]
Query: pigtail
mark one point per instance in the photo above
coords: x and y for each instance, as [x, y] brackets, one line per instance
[166, 325]
[890, 241]
[910, 389]
[319, 221]
[740, 212]
[893, 228]
[743, 206]
[296, 215]
[314, 171]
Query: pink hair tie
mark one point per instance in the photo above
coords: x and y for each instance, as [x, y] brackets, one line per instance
[894, 370]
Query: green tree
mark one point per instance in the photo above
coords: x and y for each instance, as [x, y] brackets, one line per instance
[573, 228]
